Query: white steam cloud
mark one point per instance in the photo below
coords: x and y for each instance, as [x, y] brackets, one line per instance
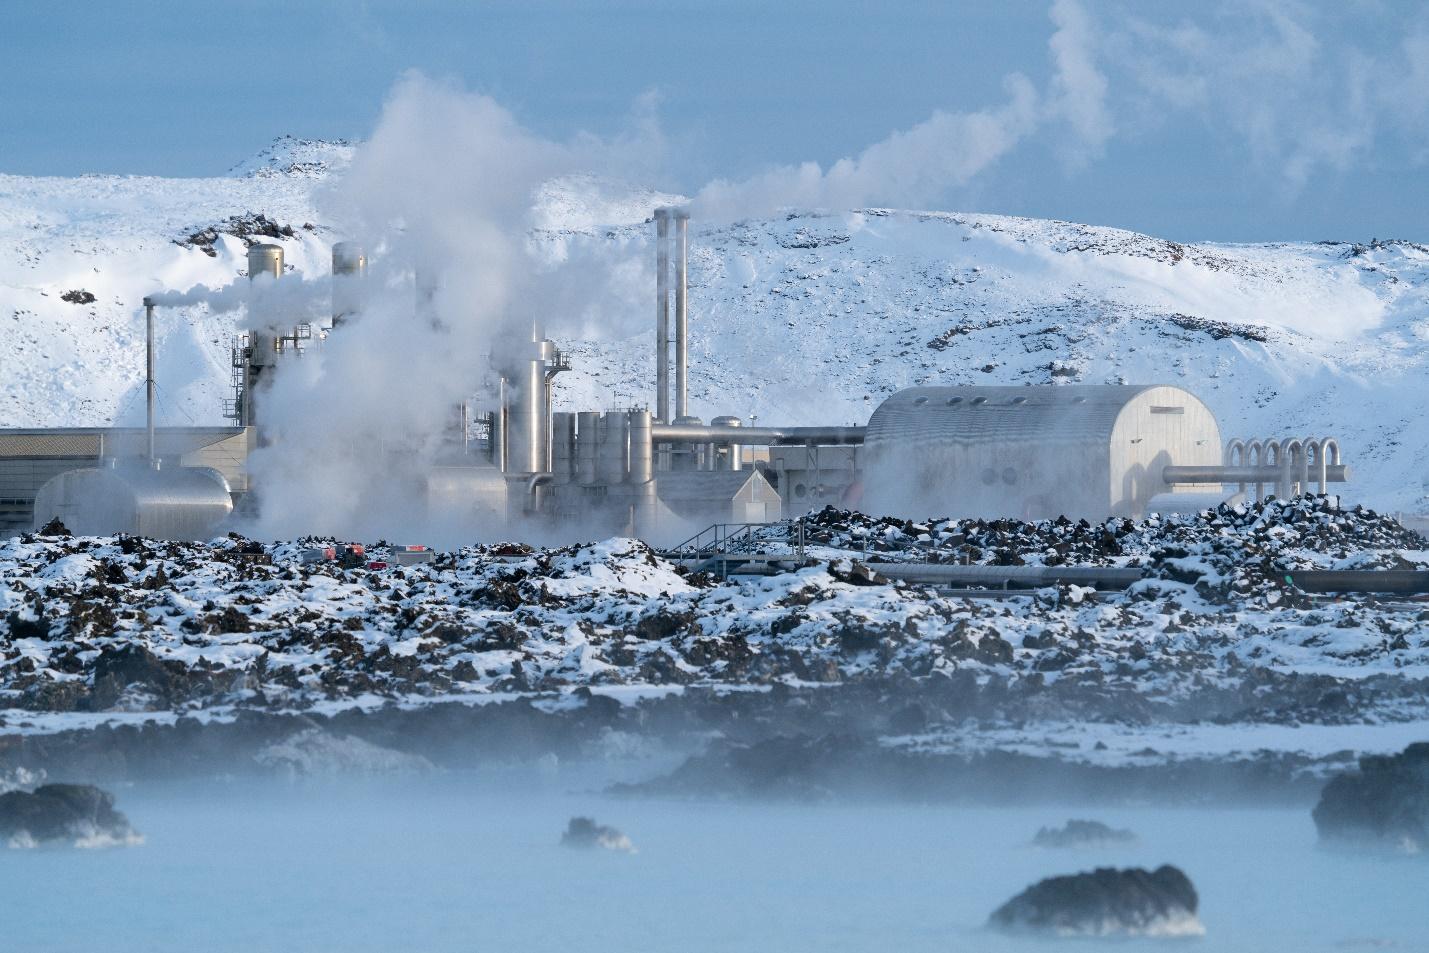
[920, 165]
[443, 195]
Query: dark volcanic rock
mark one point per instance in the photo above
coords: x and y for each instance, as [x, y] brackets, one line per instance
[1384, 803]
[1106, 902]
[584, 832]
[1082, 834]
[79, 813]
[117, 669]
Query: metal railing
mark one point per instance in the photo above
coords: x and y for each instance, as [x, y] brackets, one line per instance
[713, 546]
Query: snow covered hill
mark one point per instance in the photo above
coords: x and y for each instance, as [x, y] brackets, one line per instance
[810, 318]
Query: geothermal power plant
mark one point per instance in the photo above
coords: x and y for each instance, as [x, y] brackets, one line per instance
[658, 472]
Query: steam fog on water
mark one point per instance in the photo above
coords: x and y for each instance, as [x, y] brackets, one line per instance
[453, 863]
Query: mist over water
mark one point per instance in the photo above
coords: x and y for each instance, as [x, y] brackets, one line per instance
[446, 864]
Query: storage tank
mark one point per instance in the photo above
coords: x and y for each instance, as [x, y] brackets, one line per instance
[467, 499]
[1087, 451]
[184, 503]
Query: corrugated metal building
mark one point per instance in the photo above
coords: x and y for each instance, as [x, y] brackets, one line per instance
[29, 458]
[1031, 452]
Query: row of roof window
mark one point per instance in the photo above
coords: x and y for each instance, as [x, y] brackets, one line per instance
[979, 401]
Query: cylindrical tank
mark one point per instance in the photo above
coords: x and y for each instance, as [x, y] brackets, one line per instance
[265, 259]
[349, 267]
[563, 447]
[526, 436]
[642, 461]
[587, 445]
[686, 456]
[682, 327]
[731, 461]
[611, 462]
[496, 438]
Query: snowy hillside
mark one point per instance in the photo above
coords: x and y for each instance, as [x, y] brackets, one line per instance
[805, 319]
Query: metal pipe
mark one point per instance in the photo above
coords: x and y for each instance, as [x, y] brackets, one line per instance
[535, 481]
[1404, 581]
[662, 314]
[1110, 577]
[149, 375]
[682, 327]
[1337, 473]
[756, 436]
[1324, 454]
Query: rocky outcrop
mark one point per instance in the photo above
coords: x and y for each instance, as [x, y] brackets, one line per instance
[1105, 902]
[1385, 803]
[585, 833]
[313, 752]
[79, 814]
[1077, 833]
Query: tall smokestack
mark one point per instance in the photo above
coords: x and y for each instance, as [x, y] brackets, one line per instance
[682, 327]
[149, 375]
[527, 434]
[263, 342]
[349, 266]
[662, 315]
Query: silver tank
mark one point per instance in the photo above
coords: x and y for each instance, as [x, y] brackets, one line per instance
[731, 460]
[185, 503]
[587, 445]
[563, 447]
[264, 260]
[642, 461]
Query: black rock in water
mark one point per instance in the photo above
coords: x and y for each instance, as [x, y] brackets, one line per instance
[79, 813]
[1384, 803]
[586, 833]
[1106, 902]
[1082, 834]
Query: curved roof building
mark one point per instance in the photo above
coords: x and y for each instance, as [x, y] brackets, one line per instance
[1031, 452]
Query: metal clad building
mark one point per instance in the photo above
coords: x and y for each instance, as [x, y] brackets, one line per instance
[178, 503]
[1031, 452]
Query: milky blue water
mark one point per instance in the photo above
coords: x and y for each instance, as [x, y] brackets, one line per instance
[438, 866]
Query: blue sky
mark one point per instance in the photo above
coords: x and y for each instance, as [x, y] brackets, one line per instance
[1234, 121]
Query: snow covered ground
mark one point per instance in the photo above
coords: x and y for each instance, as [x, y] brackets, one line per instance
[809, 318]
[1210, 654]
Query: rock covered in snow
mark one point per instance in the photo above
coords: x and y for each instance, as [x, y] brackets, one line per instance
[585, 833]
[78, 814]
[1385, 803]
[1078, 833]
[125, 624]
[1106, 902]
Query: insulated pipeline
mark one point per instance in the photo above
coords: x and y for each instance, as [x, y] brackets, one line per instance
[756, 436]
[1338, 473]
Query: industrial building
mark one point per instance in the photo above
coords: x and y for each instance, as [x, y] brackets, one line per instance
[661, 473]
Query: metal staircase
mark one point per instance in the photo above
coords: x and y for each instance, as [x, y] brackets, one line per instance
[726, 549]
